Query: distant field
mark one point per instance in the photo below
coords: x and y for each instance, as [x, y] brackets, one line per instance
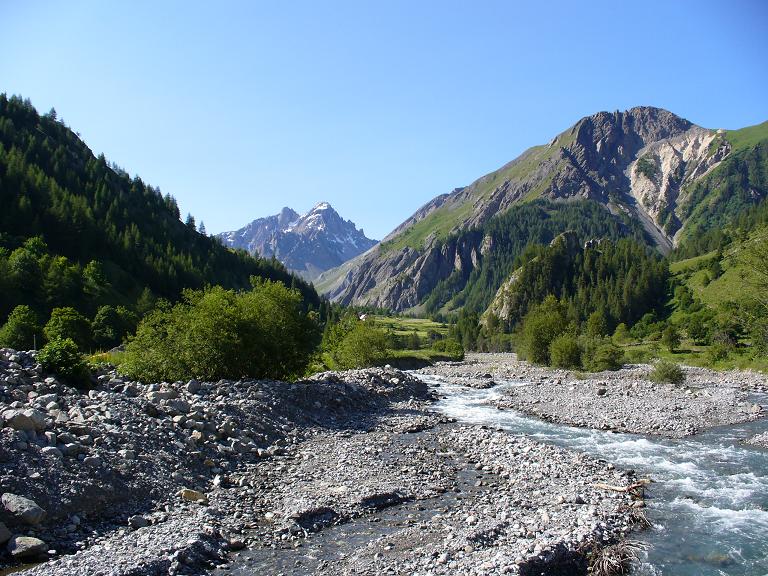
[402, 326]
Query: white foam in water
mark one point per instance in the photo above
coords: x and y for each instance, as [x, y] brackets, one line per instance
[709, 499]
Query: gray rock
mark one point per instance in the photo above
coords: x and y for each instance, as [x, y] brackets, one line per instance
[26, 547]
[137, 522]
[23, 508]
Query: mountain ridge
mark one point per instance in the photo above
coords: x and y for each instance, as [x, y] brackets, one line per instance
[642, 164]
[307, 244]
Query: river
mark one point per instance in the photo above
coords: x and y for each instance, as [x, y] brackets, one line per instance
[709, 500]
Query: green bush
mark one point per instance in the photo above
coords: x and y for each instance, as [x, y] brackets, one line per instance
[451, 347]
[601, 355]
[22, 330]
[217, 333]
[670, 338]
[621, 335]
[363, 345]
[541, 326]
[62, 357]
[69, 323]
[666, 372]
[565, 352]
[718, 351]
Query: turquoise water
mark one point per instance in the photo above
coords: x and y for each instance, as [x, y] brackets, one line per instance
[709, 500]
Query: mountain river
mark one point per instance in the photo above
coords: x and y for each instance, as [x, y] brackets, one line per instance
[709, 500]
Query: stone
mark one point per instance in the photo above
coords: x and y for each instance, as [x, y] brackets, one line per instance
[602, 391]
[127, 454]
[23, 508]
[193, 496]
[26, 547]
[193, 386]
[52, 451]
[17, 420]
[138, 521]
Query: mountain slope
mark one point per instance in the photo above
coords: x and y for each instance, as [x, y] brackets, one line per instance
[307, 244]
[107, 236]
[642, 165]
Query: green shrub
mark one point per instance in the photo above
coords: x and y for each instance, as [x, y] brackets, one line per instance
[599, 355]
[22, 330]
[666, 372]
[111, 325]
[69, 323]
[451, 347]
[670, 338]
[565, 352]
[637, 356]
[621, 335]
[62, 357]
[217, 333]
[541, 326]
[718, 351]
[363, 345]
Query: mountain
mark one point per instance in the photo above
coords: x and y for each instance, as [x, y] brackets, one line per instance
[76, 230]
[307, 244]
[645, 167]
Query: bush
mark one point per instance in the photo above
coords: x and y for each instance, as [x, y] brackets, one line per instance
[666, 372]
[62, 357]
[565, 352]
[451, 347]
[363, 345]
[718, 351]
[217, 333]
[670, 338]
[69, 323]
[21, 330]
[111, 325]
[541, 326]
[621, 335]
[603, 356]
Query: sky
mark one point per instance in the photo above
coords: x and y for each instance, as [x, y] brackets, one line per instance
[238, 108]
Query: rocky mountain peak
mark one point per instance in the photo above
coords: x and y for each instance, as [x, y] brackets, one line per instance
[308, 243]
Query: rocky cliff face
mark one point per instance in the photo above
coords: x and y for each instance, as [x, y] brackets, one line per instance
[307, 244]
[637, 162]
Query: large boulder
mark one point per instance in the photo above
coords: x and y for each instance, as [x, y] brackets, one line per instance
[23, 508]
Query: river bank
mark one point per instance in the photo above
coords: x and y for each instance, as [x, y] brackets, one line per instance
[178, 478]
[623, 401]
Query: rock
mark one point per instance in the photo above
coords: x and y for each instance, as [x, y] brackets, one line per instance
[138, 521]
[26, 547]
[193, 386]
[193, 496]
[25, 420]
[602, 391]
[5, 534]
[52, 451]
[127, 454]
[23, 508]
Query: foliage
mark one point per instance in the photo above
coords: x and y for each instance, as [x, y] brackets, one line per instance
[670, 338]
[217, 333]
[22, 329]
[666, 372]
[452, 348]
[111, 325]
[621, 335]
[540, 327]
[112, 237]
[510, 234]
[62, 357]
[565, 352]
[600, 355]
[363, 345]
[647, 167]
[69, 323]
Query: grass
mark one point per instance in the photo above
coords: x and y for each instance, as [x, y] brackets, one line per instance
[450, 216]
[693, 355]
[747, 137]
[403, 326]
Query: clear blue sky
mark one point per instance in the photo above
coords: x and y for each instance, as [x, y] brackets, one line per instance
[240, 108]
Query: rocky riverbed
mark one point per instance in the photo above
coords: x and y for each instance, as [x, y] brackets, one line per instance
[624, 400]
[179, 478]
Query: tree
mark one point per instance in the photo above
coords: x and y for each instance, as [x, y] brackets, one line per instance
[670, 337]
[201, 228]
[597, 324]
[111, 325]
[621, 335]
[364, 345]
[541, 326]
[190, 221]
[565, 352]
[69, 323]
[22, 331]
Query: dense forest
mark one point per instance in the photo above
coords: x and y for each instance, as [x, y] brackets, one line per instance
[78, 232]
[510, 234]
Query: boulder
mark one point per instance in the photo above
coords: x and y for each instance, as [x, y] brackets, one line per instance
[26, 547]
[23, 508]
[193, 496]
